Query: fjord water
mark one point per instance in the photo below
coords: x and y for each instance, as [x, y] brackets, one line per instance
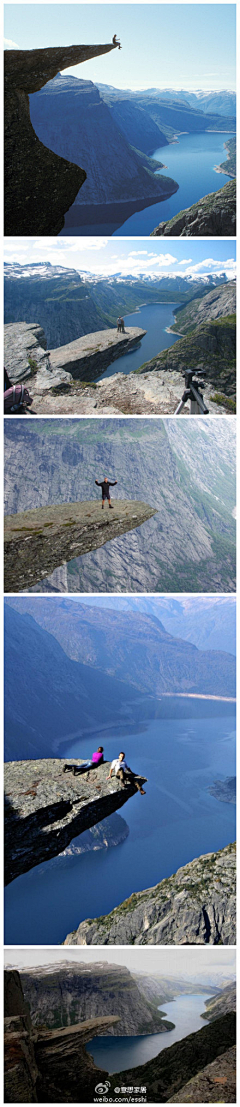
[154, 318]
[117, 1054]
[177, 820]
[190, 161]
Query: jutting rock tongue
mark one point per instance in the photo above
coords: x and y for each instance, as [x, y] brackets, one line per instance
[39, 186]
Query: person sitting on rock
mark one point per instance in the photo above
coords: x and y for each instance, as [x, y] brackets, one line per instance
[95, 760]
[126, 775]
[105, 485]
[116, 42]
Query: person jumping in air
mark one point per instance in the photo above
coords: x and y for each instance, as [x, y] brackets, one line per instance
[105, 485]
[121, 769]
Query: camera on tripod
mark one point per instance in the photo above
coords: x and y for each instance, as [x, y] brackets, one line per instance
[192, 393]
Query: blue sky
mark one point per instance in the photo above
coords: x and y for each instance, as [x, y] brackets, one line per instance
[189, 46]
[105, 256]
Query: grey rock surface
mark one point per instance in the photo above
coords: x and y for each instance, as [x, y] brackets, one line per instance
[88, 356]
[74, 991]
[47, 807]
[214, 214]
[195, 906]
[27, 359]
[38, 541]
[215, 1084]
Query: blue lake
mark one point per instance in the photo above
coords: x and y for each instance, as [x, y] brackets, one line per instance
[190, 161]
[117, 1054]
[154, 318]
[174, 822]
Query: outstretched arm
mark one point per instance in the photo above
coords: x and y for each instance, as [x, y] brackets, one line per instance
[112, 483]
[98, 482]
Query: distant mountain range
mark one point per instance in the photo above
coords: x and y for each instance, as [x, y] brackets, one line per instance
[68, 303]
[81, 668]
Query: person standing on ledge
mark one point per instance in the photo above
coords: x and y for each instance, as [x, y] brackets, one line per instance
[105, 485]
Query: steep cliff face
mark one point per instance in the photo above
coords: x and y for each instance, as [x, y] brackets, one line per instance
[67, 1073]
[61, 466]
[73, 992]
[195, 906]
[46, 807]
[89, 135]
[167, 1073]
[21, 1071]
[43, 1066]
[210, 346]
[216, 1079]
[82, 360]
[221, 1004]
[216, 304]
[215, 214]
[36, 542]
[33, 174]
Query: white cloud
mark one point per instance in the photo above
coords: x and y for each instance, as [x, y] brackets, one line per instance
[186, 261]
[10, 45]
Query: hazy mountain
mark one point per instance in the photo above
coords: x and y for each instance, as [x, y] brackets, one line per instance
[208, 622]
[72, 119]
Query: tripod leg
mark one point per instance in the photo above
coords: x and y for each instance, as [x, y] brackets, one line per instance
[179, 408]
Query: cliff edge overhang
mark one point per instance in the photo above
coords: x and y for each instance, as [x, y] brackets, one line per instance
[39, 186]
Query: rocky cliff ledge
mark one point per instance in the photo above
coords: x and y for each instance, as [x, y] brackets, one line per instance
[47, 807]
[215, 214]
[44, 1066]
[87, 357]
[197, 905]
[55, 392]
[39, 185]
[37, 542]
[216, 1079]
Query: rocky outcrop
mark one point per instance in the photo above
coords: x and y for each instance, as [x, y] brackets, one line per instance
[47, 807]
[216, 1079]
[55, 372]
[21, 1070]
[44, 1066]
[217, 304]
[33, 174]
[210, 347]
[157, 393]
[67, 1073]
[73, 991]
[228, 166]
[53, 462]
[89, 356]
[27, 359]
[215, 214]
[37, 542]
[195, 906]
[224, 790]
[165, 1075]
[221, 1004]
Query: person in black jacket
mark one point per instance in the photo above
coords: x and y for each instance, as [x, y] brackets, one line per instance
[105, 485]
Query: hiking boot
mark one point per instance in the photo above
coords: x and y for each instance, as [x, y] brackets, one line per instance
[110, 507]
